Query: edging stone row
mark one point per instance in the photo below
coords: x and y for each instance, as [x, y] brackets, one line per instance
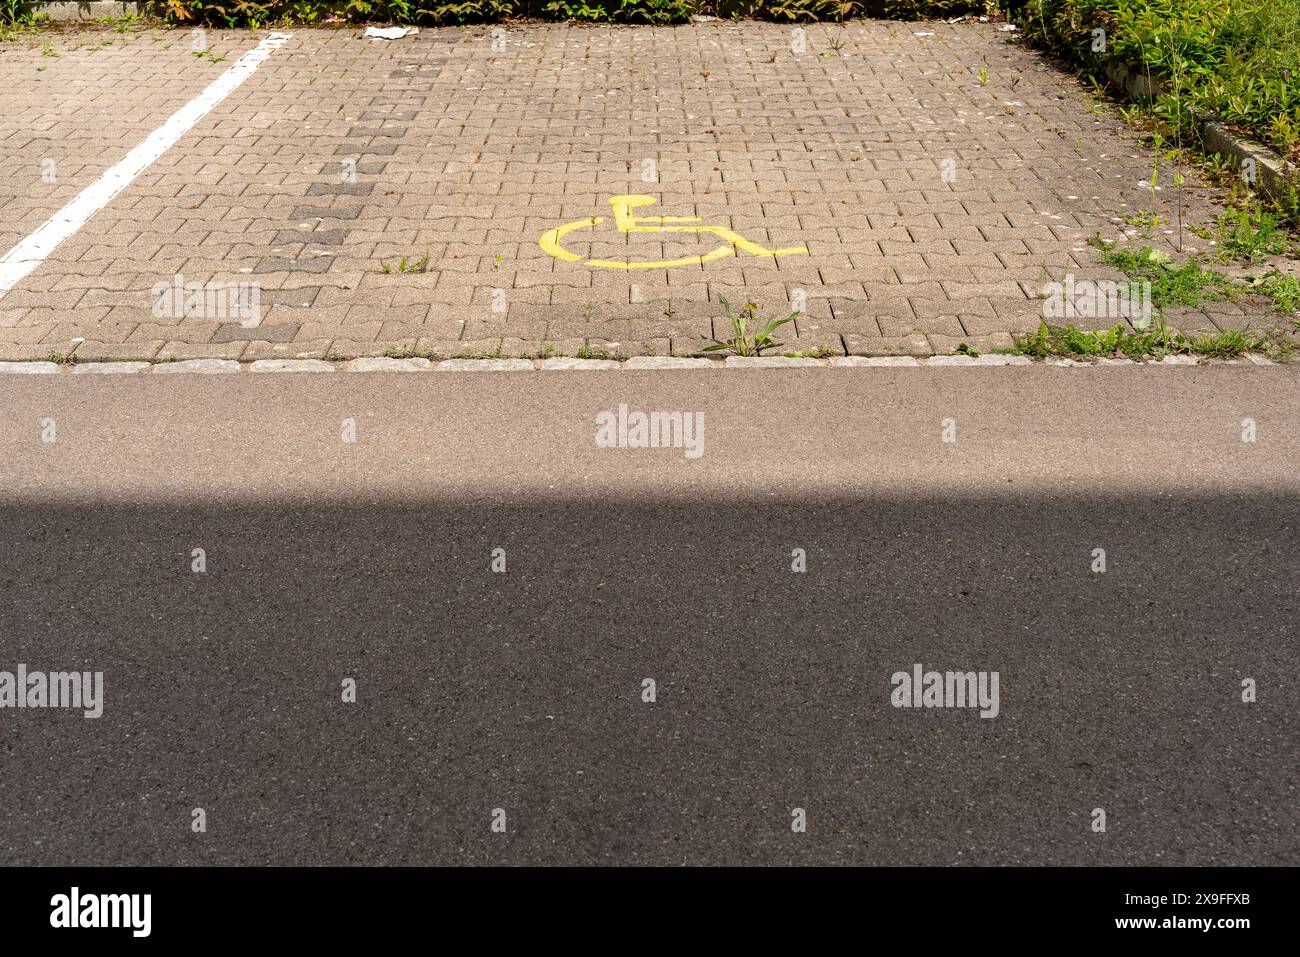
[376, 364]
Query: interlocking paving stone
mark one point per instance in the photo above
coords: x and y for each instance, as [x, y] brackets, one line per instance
[374, 149]
[340, 189]
[274, 332]
[933, 207]
[325, 212]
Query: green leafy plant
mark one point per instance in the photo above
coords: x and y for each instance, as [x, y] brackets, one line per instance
[16, 12]
[563, 10]
[1235, 59]
[749, 335]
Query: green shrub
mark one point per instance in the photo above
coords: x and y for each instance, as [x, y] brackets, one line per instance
[835, 11]
[620, 11]
[923, 9]
[804, 11]
[244, 13]
[231, 13]
[595, 12]
[1236, 59]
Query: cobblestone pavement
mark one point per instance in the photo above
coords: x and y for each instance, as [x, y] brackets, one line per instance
[923, 201]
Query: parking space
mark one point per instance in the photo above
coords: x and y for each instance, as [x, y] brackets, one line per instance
[546, 189]
[72, 104]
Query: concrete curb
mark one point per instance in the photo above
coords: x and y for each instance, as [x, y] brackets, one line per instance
[1272, 172]
[636, 364]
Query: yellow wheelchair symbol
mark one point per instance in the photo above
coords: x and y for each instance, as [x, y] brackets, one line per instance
[627, 223]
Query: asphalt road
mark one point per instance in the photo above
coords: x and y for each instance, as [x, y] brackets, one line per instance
[522, 691]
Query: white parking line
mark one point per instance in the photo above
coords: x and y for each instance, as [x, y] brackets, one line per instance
[33, 250]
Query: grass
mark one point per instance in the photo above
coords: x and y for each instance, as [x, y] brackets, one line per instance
[1179, 284]
[407, 265]
[1172, 283]
[1155, 342]
[1248, 234]
[57, 357]
[1190, 284]
[1285, 293]
[404, 352]
[820, 352]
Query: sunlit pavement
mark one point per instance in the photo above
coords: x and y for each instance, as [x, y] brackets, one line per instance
[899, 199]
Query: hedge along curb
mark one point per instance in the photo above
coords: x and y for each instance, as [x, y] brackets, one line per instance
[1274, 175]
[92, 9]
[640, 364]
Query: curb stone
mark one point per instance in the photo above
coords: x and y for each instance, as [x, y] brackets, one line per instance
[561, 364]
[845, 362]
[485, 365]
[108, 368]
[669, 362]
[575, 364]
[30, 368]
[387, 364]
[771, 362]
[990, 359]
[290, 365]
[208, 366]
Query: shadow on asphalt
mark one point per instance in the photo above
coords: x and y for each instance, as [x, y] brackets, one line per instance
[523, 690]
